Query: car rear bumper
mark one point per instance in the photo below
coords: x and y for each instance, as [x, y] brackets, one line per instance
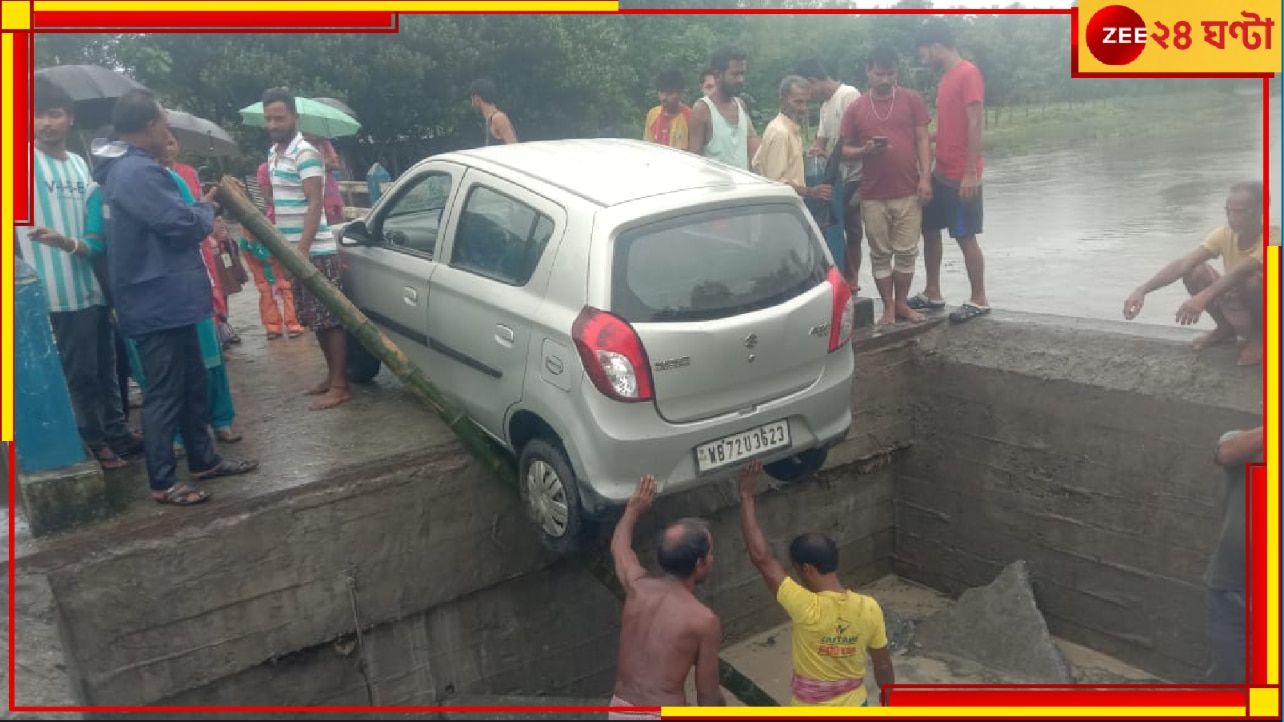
[619, 443]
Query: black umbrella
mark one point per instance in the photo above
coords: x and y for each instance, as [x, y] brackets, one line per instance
[200, 136]
[93, 88]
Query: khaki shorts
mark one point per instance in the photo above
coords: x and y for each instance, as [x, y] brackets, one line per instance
[893, 228]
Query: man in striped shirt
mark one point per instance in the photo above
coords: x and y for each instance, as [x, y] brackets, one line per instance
[57, 246]
[298, 196]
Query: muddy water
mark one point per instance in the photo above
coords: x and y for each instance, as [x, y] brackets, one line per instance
[1072, 233]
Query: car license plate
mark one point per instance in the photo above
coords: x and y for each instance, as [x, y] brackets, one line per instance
[745, 445]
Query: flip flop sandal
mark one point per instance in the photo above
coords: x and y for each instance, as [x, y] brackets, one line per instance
[182, 495]
[922, 303]
[273, 336]
[227, 468]
[967, 312]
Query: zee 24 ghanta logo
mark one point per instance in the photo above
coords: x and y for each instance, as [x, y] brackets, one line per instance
[1117, 35]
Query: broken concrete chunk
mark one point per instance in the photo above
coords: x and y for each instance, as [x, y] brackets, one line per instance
[999, 626]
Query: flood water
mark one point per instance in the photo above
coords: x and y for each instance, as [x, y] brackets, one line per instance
[1072, 233]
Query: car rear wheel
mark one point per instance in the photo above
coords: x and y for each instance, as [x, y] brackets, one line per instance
[363, 366]
[551, 496]
[799, 466]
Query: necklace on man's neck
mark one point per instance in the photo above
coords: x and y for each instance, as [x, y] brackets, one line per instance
[874, 108]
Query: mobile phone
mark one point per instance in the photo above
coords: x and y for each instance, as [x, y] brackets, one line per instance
[880, 140]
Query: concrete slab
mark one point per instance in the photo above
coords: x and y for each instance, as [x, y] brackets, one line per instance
[1000, 627]
[382, 425]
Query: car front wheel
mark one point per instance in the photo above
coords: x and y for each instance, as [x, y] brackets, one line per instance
[551, 496]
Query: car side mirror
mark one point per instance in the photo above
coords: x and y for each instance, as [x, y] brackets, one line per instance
[356, 233]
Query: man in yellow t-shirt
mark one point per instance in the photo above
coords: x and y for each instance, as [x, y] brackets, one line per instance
[833, 627]
[1233, 298]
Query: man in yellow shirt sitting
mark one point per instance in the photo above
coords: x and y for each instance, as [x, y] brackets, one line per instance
[833, 627]
[1233, 298]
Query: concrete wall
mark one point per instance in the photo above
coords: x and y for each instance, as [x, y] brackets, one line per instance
[1086, 452]
[556, 632]
[449, 582]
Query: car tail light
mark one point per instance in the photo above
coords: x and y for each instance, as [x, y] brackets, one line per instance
[843, 321]
[613, 356]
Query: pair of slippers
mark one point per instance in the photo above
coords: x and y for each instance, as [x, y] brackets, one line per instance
[966, 312]
[182, 494]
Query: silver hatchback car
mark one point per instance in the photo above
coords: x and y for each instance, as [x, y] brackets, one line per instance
[606, 309]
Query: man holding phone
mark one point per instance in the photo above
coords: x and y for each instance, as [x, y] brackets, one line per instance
[886, 129]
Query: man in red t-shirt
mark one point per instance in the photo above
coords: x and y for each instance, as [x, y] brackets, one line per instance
[956, 179]
[886, 130]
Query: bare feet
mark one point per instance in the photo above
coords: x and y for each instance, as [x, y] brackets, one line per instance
[1221, 335]
[905, 313]
[888, 318]
[319, 389]
[1252, 353]
[332, 398]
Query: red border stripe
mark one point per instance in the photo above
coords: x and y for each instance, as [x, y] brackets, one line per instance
[981, 697]
[282, 20]
[21, 141]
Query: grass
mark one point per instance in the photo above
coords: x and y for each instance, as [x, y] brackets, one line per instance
[1057, 126]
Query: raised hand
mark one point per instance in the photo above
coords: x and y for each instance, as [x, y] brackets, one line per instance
[644, 494]
[749, 478]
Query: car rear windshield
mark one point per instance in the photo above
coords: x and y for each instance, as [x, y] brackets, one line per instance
[715, 264]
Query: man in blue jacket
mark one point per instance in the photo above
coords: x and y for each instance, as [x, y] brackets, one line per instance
[162, 290]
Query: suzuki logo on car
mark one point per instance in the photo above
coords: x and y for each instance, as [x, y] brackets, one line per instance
[820, 330]
[673, 363]
[751, 340]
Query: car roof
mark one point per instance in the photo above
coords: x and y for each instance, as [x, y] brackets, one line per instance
[609, 171]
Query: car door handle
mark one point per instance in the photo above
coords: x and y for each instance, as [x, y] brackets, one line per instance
[410, 296]
[504, 335]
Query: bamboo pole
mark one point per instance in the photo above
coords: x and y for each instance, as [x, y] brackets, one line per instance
[234, 201]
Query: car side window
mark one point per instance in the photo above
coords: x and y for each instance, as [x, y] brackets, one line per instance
[500, 237]
[413, 219]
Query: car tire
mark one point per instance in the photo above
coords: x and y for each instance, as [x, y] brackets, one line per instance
[363, 366]
[551, 496]
[798, 466]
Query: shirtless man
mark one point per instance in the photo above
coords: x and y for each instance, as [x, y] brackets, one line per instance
[665, 630]
[1233, 298]
[499, 129]
[720, 124]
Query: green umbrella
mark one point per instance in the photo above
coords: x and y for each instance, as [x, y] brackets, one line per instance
[314, 117]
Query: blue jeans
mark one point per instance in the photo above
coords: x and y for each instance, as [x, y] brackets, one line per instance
[1227, 642]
